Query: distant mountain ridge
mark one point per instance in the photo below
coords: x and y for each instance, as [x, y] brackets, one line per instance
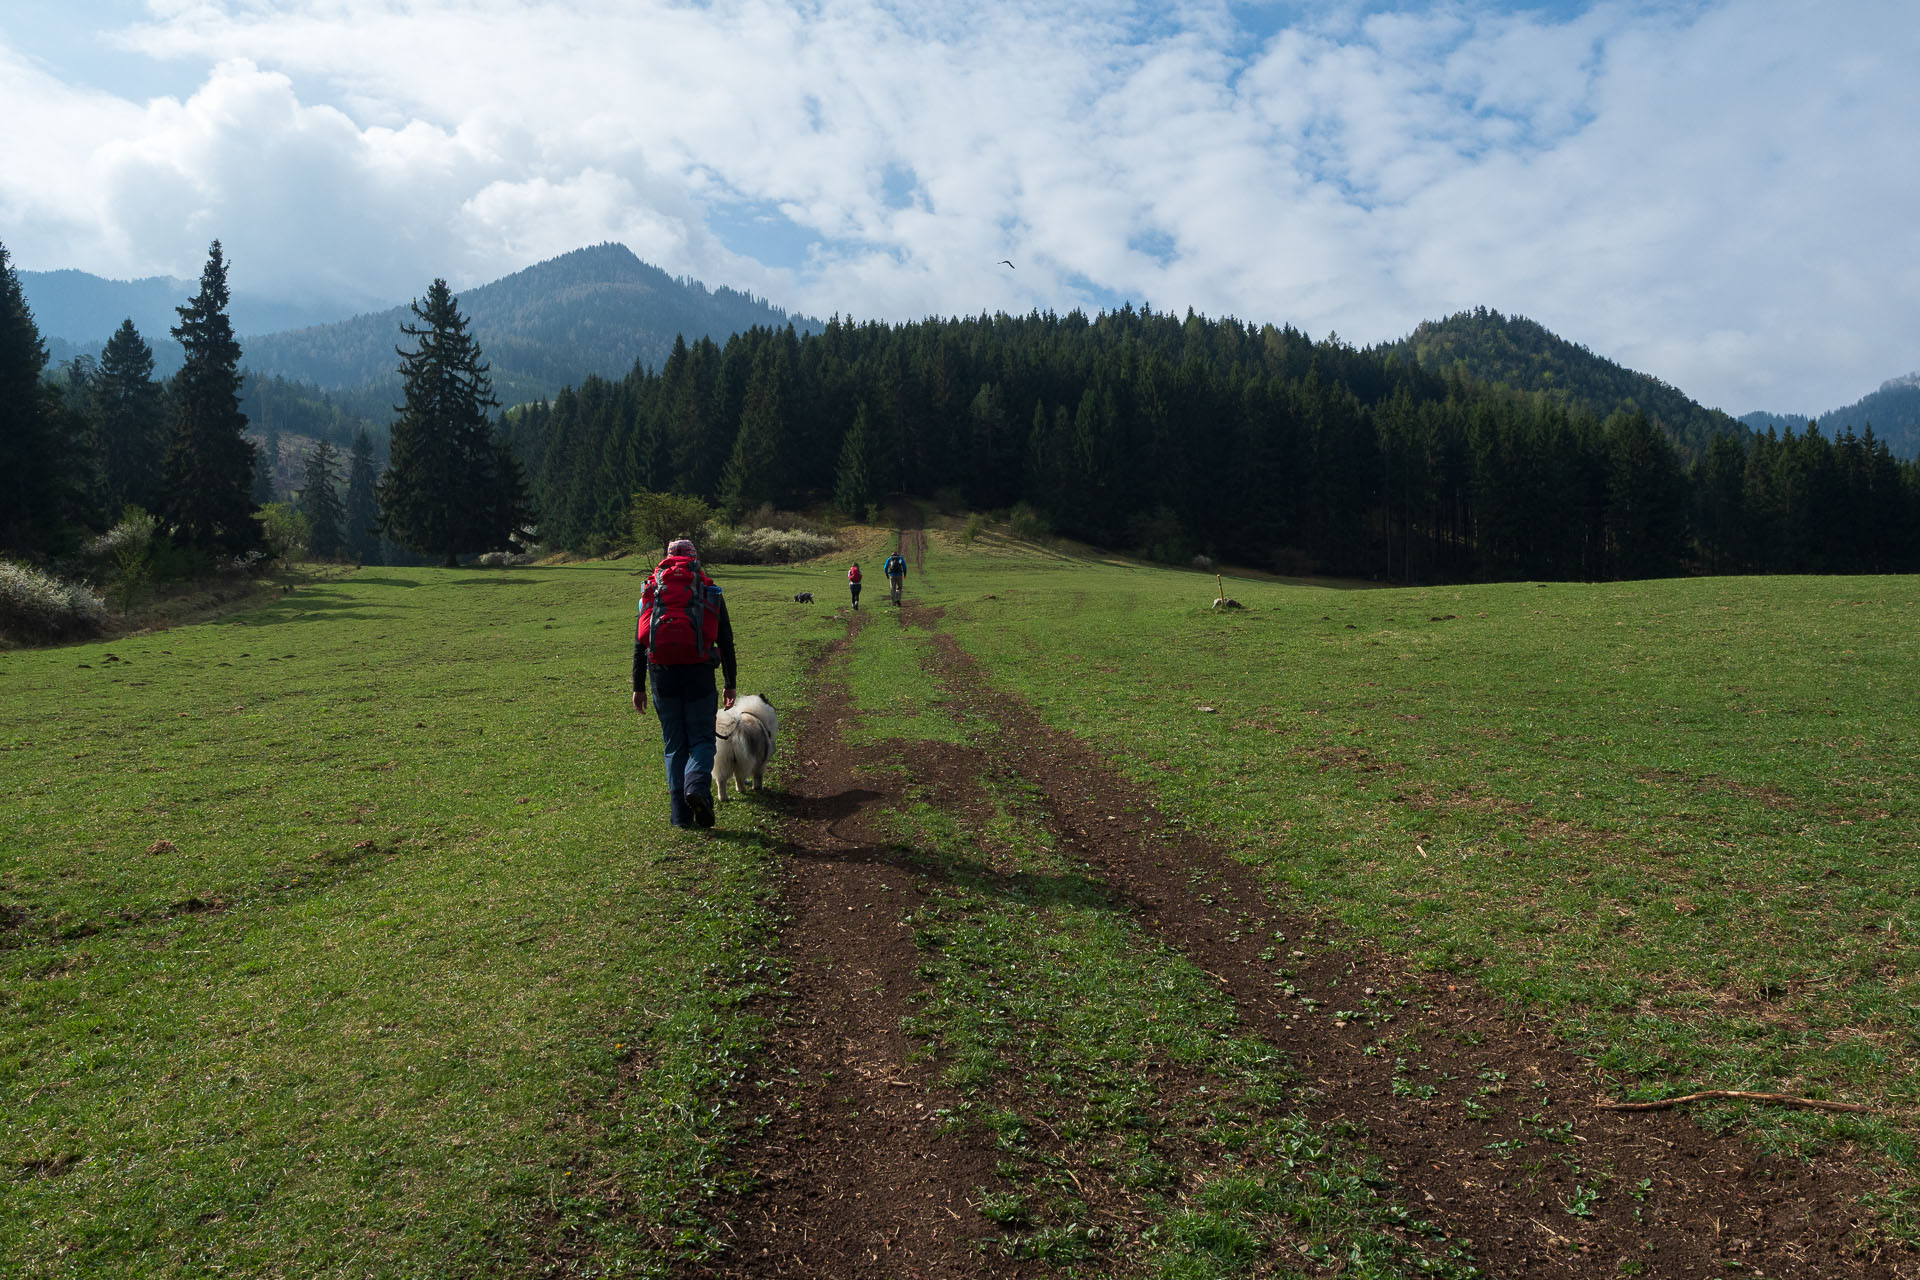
[1893, 412]
[597, 310]
[1525, 355]
[81, 310]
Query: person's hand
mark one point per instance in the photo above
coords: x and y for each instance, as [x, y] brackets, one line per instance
[640, 700]
[726, 700]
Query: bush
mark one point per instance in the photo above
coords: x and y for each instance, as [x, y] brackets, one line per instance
[1157, 535]
[726, 545]
[39, 606]
[658, 518]
[286, 528]
[784, 546]
[976, 525]
[1029, 523]
[126, 551]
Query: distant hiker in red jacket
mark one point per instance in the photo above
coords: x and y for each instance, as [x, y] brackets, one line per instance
[853, 581]
[683, 633]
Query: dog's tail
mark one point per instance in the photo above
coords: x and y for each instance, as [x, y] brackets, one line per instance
[756, 735]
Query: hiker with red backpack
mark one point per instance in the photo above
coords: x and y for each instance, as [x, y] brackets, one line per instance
[853, 581]
[682, 632]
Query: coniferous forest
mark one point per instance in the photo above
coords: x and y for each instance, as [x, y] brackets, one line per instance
[1170, 437]
[1149, 433]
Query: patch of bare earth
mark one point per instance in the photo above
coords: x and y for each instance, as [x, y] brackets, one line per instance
[853, 1173]
[1667, 1199]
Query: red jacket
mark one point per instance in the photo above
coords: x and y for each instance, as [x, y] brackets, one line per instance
[853, 574]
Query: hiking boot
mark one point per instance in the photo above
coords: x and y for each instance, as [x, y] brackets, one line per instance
[701, 805]
[681, 815]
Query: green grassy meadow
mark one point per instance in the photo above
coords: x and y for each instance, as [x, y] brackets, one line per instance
[1676, 816]
[346, 935]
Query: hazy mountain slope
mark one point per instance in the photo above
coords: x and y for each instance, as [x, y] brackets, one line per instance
[83, 310]
[1893, 412]
[592, 311]
[1524, 355]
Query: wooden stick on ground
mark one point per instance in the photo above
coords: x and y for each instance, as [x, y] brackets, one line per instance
[1783, 1099]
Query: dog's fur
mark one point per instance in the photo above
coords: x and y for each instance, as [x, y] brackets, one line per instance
[805, 597]
[743, 743]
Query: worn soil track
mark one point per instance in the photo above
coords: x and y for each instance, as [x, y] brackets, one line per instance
[856, 1177]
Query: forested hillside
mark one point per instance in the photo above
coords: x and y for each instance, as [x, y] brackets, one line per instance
[1515, 352]
[1171, 436]
[77, 311]
[1893, 412]
[593, 311]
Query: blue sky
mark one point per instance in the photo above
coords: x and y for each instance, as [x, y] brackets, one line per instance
[1721, 193]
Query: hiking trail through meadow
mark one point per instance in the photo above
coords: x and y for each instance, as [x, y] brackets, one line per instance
[869, 1160]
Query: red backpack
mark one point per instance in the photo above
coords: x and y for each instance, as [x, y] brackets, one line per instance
[679, 625]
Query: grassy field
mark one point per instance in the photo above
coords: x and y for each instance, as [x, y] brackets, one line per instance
[1678, 816]
[347, 937]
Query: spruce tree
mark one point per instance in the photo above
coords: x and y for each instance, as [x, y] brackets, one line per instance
[362, 531]
[320, 502]
[31, 471]
[209, 499]
[755, 472]
[132, 410]
[441, 494]
[266, 461]
[853, 485]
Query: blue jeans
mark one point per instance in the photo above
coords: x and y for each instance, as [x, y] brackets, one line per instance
[685, 700]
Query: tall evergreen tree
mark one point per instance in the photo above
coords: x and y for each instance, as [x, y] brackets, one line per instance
[441, 492]
[755, 473]
[131, 410]
[854, 489]
[210, 461]
[320, 502]
[33, 470]
[362, 530]
[266, 462]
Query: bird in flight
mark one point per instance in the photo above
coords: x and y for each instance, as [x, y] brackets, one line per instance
[1009, 266]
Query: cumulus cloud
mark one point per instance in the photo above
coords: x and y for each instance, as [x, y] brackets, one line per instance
[1716, 194]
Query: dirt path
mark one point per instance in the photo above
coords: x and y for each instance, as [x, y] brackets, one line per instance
[857, 1176]
[854, 1175]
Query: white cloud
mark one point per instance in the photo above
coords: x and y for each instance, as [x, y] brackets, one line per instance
[1722, 197]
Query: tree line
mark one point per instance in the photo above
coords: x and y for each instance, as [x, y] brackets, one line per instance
[1173, 436]
[106, 443]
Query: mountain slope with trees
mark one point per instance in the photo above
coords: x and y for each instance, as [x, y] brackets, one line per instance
[1893, 412]
[1168, 436]
[1515, 352]
[594, 311]
[77, 311]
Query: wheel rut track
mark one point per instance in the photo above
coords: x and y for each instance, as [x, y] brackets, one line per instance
[852, 1176]
[855, 1178]
[1712, 1201]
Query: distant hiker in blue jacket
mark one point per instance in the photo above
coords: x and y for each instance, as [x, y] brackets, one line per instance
[682, 633]
[896, 570]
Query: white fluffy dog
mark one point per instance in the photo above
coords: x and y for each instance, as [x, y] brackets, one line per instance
[743, 743]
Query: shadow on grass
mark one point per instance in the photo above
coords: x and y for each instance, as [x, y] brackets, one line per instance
[408, 583]
[1031, 889]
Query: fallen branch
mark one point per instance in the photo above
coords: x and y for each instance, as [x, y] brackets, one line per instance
[1783, 1099]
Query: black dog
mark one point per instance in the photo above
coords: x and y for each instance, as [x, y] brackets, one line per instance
[805, 597]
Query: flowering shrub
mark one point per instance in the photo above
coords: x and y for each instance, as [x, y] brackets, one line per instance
[726, 545]
[39, 606]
